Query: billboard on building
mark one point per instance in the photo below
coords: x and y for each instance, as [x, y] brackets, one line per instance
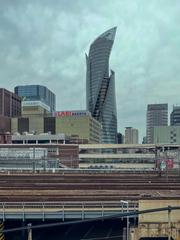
[71, 113]
[164, 164]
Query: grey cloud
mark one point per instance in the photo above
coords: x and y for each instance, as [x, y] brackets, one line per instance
[45, 41]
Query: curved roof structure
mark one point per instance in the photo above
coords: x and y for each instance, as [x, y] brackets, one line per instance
[109, 34]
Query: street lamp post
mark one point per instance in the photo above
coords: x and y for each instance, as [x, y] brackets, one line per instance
[127, 209]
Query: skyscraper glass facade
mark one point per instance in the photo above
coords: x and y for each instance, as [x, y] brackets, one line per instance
[100, 85]
[37, 93]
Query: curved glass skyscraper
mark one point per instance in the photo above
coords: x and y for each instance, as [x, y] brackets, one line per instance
[100, 85]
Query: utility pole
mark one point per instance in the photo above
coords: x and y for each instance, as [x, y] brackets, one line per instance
[169, 223]
[166, 162]
[34, 163]
[127, 209]
[158, 162]
[29, 231]
[179, 160]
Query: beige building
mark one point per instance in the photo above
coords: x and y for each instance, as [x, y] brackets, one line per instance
[32, 118]
[166, 134]
[36, 109]
[161, 224]
[80, 124]
[131, 135]
[86, 127]
[32, 124]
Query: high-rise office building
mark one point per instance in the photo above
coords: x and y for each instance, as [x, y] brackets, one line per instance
[157, 115]
[175, 116]
[131, 135]
[36, 95]
[100, 85]
[10, 106]
[120, 138]
[144, 141]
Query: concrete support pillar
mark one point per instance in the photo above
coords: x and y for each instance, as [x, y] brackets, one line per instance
[179, 160]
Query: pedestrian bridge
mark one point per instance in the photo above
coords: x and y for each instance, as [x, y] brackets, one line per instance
[63, 210]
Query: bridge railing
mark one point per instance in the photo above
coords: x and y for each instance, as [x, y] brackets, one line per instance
[63, 210]
[51, 205]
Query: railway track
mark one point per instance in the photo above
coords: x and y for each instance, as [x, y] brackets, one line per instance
[86, 178]
[87, 187]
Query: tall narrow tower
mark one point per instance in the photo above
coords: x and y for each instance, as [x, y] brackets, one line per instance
[100, 85]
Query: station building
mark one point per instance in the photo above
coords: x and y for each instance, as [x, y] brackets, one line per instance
[38, 156]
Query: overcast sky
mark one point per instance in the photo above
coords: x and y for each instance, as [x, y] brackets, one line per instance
[44, 42]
